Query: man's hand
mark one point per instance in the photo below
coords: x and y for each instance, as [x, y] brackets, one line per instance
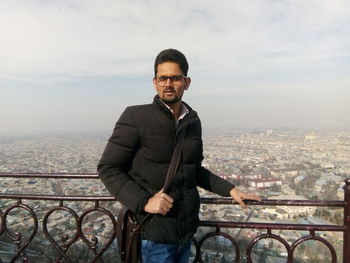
[160, 203]
[239, 196]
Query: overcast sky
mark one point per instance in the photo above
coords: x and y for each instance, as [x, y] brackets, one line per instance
[74, 65]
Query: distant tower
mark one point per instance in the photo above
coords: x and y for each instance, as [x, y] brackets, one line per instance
[310, 137]
[269, 132]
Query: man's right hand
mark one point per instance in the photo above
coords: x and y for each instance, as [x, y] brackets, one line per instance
[160, 203]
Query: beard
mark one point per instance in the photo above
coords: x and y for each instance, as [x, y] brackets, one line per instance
[171, 101]
[173, 98]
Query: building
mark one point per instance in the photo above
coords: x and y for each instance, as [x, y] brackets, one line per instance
[240, 177]
[264, 182]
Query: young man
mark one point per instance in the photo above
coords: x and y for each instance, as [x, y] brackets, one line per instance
[135, 161]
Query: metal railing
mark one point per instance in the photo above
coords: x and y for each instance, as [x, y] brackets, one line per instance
[21, 245]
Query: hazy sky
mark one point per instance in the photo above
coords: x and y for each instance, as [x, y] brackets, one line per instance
[74, 65]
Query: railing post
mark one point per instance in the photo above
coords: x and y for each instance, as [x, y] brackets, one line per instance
[346, 243]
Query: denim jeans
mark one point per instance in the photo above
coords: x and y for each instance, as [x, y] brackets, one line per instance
[152, 252]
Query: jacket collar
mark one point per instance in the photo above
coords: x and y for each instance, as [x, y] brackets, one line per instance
[188, 119]
[159, 104]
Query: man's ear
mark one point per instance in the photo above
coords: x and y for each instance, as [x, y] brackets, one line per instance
[187, 83]
[154, 82]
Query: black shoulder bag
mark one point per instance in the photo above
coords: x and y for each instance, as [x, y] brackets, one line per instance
[128, 228]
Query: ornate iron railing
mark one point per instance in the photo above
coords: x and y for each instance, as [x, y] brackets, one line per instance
[20, 245]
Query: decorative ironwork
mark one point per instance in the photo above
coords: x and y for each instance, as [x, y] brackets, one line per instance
[65, 239]
[62, 245]
[217, 232]
[94, 241]
[17, 237]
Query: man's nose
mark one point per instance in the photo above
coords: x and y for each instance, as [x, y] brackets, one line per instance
[168, 82]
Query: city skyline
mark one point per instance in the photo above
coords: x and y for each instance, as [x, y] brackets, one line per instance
[72, 66]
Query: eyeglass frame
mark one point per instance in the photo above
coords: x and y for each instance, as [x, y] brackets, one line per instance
[173, 79]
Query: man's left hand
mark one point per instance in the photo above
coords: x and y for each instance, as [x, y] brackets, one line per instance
[239, 196]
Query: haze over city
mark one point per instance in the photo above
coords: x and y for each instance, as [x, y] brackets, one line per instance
[72, 66]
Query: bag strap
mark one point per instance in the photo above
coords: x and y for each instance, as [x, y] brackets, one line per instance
[174, 163]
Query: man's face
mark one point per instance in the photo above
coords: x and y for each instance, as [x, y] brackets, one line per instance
[170, 82]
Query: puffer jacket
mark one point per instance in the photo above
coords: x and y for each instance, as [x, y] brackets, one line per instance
[135, 161]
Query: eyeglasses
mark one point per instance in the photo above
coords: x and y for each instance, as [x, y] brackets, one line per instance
[176, 79]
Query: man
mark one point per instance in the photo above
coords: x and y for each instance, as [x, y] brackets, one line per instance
[135, 161]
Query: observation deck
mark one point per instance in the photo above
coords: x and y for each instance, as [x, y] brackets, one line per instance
[63, 227]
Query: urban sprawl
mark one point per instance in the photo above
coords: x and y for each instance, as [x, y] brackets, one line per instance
[274, 163]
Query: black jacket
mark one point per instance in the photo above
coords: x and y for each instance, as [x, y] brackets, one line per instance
[135, 161]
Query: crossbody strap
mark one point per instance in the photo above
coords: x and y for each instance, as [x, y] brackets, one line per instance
[174, 163]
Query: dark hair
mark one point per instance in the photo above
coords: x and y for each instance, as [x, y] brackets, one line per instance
[171, 55]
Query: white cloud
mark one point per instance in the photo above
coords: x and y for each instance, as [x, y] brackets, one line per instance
[235, 48]
[106, 37]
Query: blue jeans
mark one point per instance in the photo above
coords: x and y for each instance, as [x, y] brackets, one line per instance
[152, 252]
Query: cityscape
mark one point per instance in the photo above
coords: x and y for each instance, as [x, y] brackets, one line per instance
[274, 163]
